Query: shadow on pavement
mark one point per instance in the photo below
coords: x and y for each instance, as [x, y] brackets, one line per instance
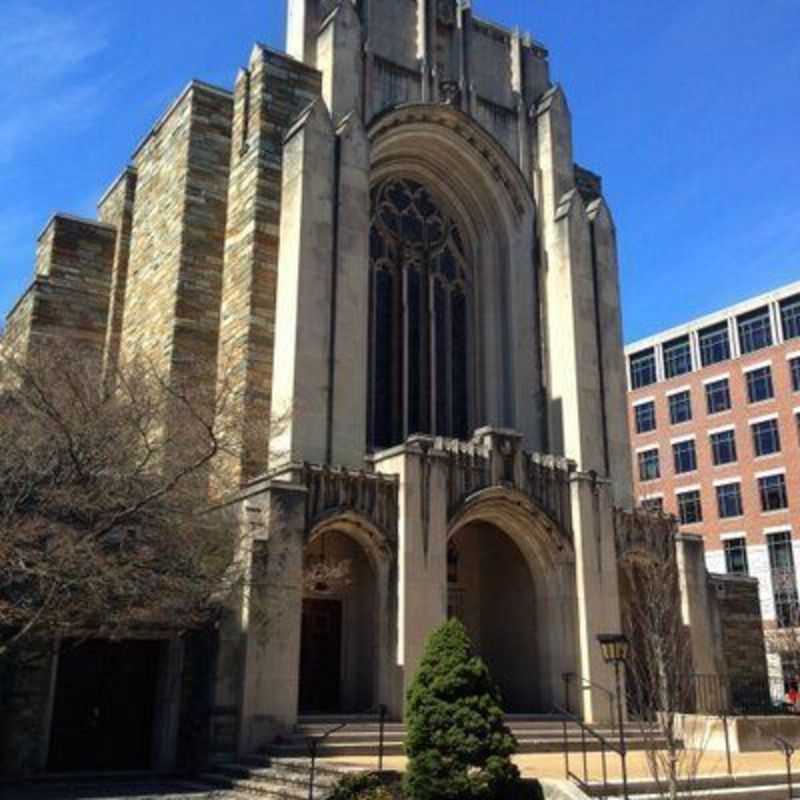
[109, 790]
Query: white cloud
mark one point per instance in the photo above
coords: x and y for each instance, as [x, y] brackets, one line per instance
[38, 46]
[50, 56]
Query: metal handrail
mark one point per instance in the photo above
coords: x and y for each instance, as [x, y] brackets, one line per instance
[605, 745]
[586, 686]
[788, 751]
[313, 743]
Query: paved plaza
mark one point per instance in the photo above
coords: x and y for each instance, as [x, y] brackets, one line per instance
[112, 790]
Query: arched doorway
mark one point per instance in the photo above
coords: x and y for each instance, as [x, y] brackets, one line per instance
[510, 577]
[490, 589]
[339, 634]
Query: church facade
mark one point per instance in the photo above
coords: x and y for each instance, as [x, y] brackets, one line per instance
[385, 231]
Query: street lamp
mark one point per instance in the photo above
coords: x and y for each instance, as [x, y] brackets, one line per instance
[614, 647]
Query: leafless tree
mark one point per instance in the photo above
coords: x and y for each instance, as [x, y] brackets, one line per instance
[107, 490]
[659, 667]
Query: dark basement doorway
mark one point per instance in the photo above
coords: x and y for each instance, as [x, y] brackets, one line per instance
[104, 706]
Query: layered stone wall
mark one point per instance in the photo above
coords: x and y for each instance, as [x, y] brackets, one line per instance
[25, 707]
[68, 300]
[116, 208]
[269, 95]
[739, 636]
[171, 309]
[17, 329]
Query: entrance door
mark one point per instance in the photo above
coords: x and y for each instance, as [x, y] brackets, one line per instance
[321, 657]
[104, 706]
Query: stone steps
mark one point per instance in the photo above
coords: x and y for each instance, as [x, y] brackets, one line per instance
[360, 737]
[280, 779]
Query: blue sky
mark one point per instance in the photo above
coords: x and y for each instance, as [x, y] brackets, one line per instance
[690, 110]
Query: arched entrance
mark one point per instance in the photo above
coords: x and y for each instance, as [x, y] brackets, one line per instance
[490, 589]
[452, 218]
[345, 608]
[511, 582]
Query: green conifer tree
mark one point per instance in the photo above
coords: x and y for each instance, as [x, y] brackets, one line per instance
[458, 745]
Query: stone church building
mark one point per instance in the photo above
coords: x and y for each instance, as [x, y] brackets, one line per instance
[385, 230]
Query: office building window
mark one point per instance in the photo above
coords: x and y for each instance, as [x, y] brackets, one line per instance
[715, 345]
[645, 414]
[649, 467]
[690, 509]
[643, 368]
[684, 456]
[766, 438]
[784, 580]
[755, 330]
[677, 357]
[736, 556]
[790, 317]
[729, 500]
[772, 491]
[723, 447]
[718, 396]
[655, 505]
[680, 407]
[759, 385]
[794, 369]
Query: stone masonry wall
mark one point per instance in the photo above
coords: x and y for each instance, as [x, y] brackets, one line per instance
[25, 685]
[269, 96]
[740, 635]
[116, 208]
[69, 298]
[16, 333]
[171, 311]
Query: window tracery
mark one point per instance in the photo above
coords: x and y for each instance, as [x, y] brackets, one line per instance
[421, 295]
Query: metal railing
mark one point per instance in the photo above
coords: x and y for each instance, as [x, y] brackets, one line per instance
[313, 743]
[587, 686]
[606, 746]
[711, 695]
[788, 751]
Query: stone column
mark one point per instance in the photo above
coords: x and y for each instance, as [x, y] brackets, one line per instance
[340, 59]
[695, 603]
[422, 546]
[272, 618]
[299, 20]
[269, 95]
[303, 306]
[572, 374]
[348, 412]
[168, 705]
[116, 208]
[609, 326]
[597, 588]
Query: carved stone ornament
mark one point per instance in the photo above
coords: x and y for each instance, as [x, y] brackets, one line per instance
[451, 93]
[446, 12]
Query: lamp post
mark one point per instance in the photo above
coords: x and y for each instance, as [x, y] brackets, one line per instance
[614, 647]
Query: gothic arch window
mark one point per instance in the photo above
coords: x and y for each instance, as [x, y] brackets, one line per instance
[420, 305]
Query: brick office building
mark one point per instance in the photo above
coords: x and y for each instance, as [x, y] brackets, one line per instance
[714, 414]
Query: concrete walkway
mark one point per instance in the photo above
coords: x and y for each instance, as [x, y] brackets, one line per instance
[551, 765]
[133, 789]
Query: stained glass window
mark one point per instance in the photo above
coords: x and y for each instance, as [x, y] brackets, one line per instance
[420, 306]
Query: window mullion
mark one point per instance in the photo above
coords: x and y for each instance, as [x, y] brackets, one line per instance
[402, 391]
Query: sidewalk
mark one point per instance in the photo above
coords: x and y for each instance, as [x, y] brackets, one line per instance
[551, 765]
